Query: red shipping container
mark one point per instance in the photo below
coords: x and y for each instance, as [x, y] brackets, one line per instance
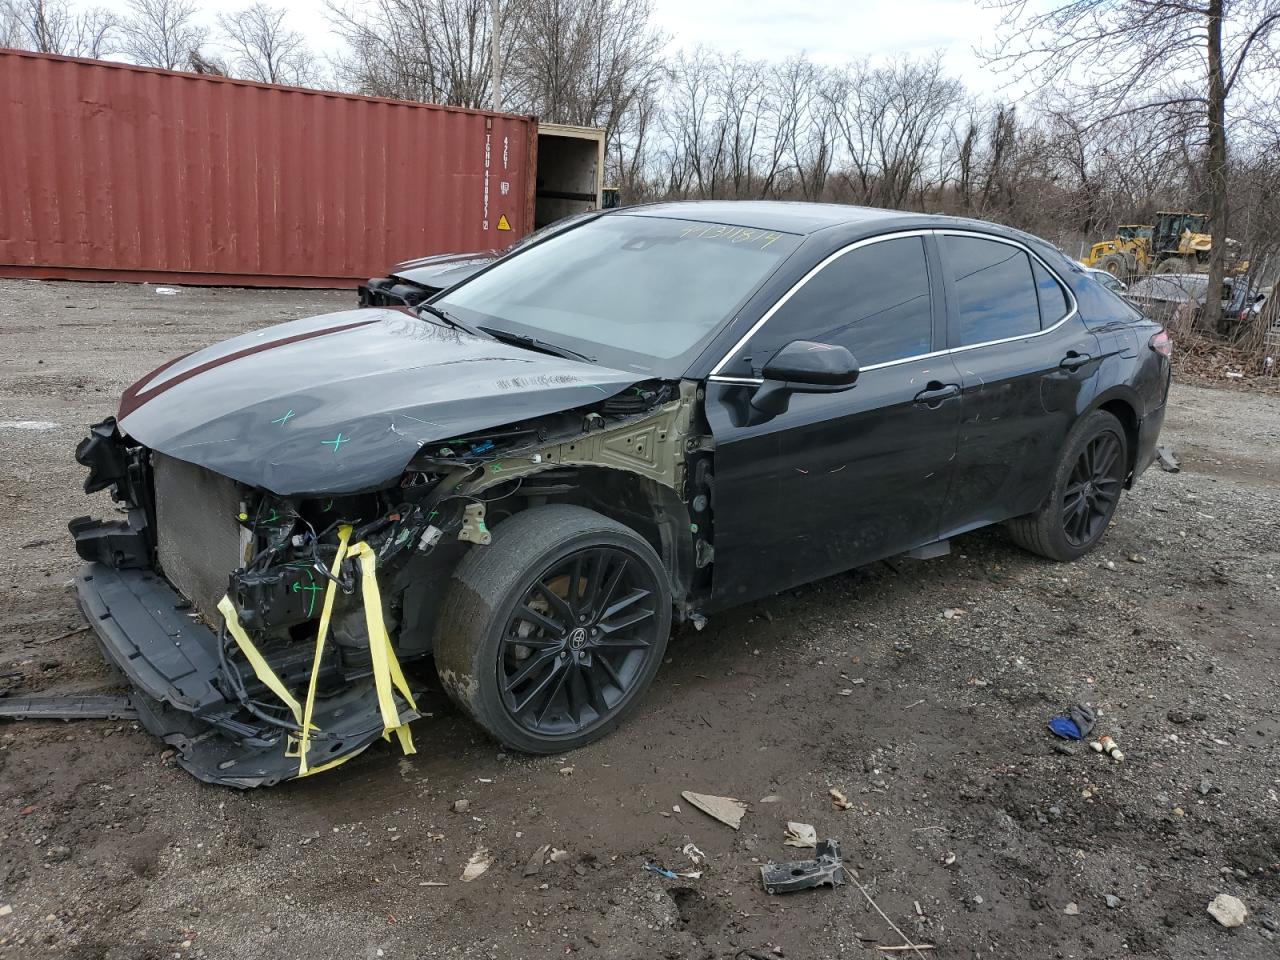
[115, 172]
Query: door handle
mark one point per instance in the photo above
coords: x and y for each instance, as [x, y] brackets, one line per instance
[935, 394]
[1074, 360]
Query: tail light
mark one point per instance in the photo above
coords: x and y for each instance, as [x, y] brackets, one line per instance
[1162, 343]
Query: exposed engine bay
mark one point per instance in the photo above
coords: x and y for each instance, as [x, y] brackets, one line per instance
[265, 635]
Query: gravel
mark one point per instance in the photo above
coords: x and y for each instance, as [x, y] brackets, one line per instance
[960, 803]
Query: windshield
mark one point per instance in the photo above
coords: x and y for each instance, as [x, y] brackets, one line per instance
[635, 292]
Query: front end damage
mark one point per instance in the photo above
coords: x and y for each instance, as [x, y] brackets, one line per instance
[264, 635]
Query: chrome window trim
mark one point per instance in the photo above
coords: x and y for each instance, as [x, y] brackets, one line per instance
[795, 287]
[717, 377]
[1071, 297]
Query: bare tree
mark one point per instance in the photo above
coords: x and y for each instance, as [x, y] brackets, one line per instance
[744, 102]
[162, 33]
[892, 121]
[52, 26]
[809, 123]
[10, 26]
[200, 62]
[263, 49]
[436, 51]
[693, 126]
[582, 61]
[1126, 57]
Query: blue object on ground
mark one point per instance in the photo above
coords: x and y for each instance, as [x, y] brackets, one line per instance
[1066, 728]
[1076, 723]
[661, 871]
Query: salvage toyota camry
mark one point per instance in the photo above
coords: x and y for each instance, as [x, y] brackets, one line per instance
[656, 413]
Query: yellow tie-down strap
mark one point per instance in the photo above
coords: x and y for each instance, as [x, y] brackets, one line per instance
[387, 675]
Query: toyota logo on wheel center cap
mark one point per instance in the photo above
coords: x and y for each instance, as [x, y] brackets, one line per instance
[578, 638]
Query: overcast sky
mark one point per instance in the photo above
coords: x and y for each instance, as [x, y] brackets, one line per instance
[828, 30]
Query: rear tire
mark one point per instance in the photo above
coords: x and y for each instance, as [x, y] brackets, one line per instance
[1176, 265]
[1086, 490]
[550, 634]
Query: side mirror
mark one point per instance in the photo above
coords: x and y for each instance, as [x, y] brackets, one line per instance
[803, 366]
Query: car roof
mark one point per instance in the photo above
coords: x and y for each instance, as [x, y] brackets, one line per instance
[783, 215]
[844, 221]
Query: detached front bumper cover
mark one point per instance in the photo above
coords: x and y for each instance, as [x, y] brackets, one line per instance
[146, 630]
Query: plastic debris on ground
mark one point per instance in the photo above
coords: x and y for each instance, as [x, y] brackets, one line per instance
[801, 835]
[728, 810]
[825, 869]
[167, 291]
[1108, 746]
[1168, 462]
[478, 864]
[838, 799]
[672, 874]
[536, 862]
[696, 857]
[1076, 724]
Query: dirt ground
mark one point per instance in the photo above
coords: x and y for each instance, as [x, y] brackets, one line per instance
[970, 827]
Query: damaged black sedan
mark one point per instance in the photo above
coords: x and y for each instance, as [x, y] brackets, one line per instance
[650, 415]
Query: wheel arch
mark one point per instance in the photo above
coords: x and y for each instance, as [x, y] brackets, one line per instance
[651, 509]
[1124, 404]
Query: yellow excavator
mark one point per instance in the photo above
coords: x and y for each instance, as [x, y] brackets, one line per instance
[1175, 243]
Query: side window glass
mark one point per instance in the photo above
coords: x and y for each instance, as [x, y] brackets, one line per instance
[874, 300]
[1053, 299]
[995, 290]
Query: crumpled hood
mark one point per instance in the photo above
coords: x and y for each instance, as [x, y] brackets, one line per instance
[342, 402]
[444, 270]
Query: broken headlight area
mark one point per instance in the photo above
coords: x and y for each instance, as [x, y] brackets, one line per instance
[257, 631]
[526, 438]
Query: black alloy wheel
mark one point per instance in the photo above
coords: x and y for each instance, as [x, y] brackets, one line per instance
[1093, 489]
[549, 635]
[1084, 493]
[578, 641]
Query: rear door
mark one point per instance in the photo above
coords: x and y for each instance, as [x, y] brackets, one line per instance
[1028, 368]
[839, 479]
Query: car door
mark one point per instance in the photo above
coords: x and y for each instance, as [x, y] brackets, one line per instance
[1028, 368]
[841, 478]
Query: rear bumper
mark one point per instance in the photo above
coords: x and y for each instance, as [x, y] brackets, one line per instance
[147, 630]
[1148, 438]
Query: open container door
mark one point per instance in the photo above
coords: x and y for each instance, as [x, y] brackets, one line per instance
[570, 172]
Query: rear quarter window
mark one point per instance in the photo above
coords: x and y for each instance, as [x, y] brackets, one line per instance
[1054, 304]
[994, 287]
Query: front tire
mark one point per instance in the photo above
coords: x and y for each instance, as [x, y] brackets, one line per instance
[1114, 264]
[1086, 490]
[550, 634]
